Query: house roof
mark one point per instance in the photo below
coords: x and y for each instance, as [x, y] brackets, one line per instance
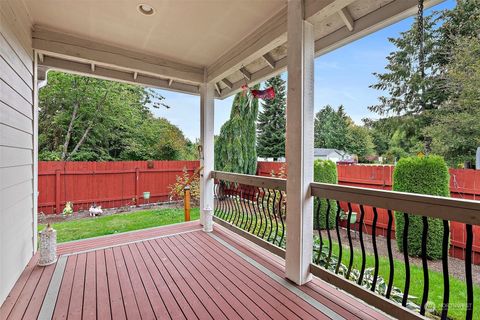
[323, 152]
[186, 42]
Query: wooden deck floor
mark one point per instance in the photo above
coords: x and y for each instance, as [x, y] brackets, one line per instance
[174, 272]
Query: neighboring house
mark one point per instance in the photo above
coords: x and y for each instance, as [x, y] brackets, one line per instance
[331, 154]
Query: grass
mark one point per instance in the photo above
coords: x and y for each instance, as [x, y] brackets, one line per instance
[117, 223]
[458, 291]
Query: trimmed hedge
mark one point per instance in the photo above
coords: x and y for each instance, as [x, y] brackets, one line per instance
[425, 175]
[324, 171]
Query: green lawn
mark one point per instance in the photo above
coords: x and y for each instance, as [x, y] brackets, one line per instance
[117, 223]
[458, 292]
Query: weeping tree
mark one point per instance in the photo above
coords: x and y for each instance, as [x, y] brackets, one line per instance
[235, 147]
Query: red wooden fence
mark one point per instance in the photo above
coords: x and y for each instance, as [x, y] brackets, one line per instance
[464, 184]
[109, 184]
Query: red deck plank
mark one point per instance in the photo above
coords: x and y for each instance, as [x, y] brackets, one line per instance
[284, 301]
[236, 298]
[76, 300]
[198, 307]
[166, 286]
[37, 299]
[103, 293]
[129, 301]
[13, 296]
[90, 297]
[143, 302]
[212, 291]
[63, 300]
[116, 299]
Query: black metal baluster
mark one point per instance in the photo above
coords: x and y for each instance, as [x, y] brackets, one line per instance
[337, 227]
[468, 271]
[405, 257]
[362, 245]
[390, 254]
[249, 210]
[216, 199]
[446, 280]
[274, 216]
[350, 264]
[254, 213]
[375, 251]
[269, 216]
[327, 217]
[224, 197]
[425, 265]
[258, 213]
[264, 225]
[319, 230]
[226, 204]
[235, 206]
[280, 206]
[243, 212]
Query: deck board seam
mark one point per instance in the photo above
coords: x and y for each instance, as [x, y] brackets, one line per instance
[319, 306]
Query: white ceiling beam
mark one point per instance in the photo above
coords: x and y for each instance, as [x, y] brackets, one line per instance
[116, 75]
[375, 20]
[217, 88]
[370, 23]
[70, 47]
[170, 82]
[267, 37]
[347, 19]
[246, 73]
[267, 57]
[135, 75]
[317, 10]
[40, 57]
[227, 83]
[92, 67]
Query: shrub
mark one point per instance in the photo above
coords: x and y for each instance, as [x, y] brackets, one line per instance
[176, 189]
[324, 171]
[425, 175]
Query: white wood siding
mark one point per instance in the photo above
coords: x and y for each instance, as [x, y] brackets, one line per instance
[17, 183]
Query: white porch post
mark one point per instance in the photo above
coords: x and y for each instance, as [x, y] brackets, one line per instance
[207, 103]
[299, 144]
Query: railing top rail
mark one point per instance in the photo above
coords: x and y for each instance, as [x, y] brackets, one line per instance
[466, 211]
[256, 181]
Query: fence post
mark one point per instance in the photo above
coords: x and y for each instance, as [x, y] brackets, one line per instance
[186, 202]
[137, 186]
[58, 186]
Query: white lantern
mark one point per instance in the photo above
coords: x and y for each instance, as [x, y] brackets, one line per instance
[208, 219]
[48, 246]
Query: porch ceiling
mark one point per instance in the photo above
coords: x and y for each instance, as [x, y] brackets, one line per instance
[185, 40]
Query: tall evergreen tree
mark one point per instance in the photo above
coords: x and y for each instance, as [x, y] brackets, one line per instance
[331, 128]
[271, 122]
[235, 147]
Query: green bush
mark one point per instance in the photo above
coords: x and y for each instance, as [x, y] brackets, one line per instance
[324, 171]
[425, 175]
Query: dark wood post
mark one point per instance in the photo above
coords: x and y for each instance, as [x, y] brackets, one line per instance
[186, 202]
[58, 186]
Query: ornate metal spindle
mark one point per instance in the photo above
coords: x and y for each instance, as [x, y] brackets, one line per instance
[405, 257]
[446, 281]
[362, 245]
[390, 254]
[280, 206]
[350, 264]
[264, 225]
[269, 216]
[243, 216]
[249, 213]
[234, 206]
[226, 206]
[425, 265]
[339, 238]
[252, 210]
[317, 214]
[258, 213]
[468, 271]
[327, 223]
[274, 216]
[375, 251]
[216, 211]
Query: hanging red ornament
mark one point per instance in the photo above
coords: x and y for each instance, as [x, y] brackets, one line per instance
[268, 93]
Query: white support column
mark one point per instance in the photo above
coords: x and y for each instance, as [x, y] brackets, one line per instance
[299, 144]
[207, 102]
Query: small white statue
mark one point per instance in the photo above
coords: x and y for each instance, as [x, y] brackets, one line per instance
[95, 210]
[68, 210]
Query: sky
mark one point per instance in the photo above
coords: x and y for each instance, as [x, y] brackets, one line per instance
[342, 77]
